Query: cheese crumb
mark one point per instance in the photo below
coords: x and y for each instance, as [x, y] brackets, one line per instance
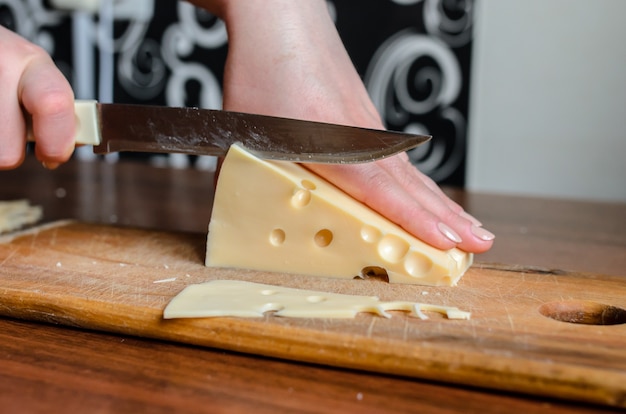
[171, 279]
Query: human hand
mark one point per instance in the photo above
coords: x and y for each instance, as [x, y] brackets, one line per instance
[33, 89]
[286, 59]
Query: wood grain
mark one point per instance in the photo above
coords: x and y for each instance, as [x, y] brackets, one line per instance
[49, 369]
[102, 277]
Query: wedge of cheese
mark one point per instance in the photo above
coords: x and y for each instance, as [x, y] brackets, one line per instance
[280, 217]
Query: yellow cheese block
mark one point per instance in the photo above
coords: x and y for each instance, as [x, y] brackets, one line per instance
[278, 216]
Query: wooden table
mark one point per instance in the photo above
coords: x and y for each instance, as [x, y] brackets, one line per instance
[45, 368]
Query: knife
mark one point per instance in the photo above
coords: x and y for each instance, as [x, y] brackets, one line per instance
[142, 128]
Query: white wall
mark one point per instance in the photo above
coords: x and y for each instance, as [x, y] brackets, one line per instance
[548, 99]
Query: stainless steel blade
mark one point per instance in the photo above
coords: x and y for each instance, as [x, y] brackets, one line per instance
[211, 132]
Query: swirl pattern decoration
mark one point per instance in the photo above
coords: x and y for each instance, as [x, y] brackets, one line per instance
[414, 56]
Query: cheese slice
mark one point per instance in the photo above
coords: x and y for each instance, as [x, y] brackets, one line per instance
[248, 299]
[278, 216]
[16, 214]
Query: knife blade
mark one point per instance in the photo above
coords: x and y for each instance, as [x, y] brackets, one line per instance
[143, 128]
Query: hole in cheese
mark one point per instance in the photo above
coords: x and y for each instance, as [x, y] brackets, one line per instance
[323, 237]
[277, 237]
[370, 234]
[374, 272]
[268, 292]
[301, 198]
[271, 307]
[392, 248]
[309, 185]
[315, 299]
[417, 264]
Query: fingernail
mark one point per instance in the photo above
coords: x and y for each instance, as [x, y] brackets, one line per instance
[471, 218]
[50, 165]
[449, 233]
[482, 233]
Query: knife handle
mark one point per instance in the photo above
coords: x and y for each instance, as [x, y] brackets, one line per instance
[87, 125]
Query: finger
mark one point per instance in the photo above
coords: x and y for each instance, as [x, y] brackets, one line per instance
[451, 203]
[409, 177]
[12, 131]
[473, 238]
[376, 188]
[47, 96]
[12, 125]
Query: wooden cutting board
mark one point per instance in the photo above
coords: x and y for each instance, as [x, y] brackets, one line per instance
[120, 279]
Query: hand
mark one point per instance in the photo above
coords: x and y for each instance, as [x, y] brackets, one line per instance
[286, 59]
[32, 87]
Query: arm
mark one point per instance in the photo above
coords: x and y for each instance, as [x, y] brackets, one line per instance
[31, 84]
[286, 59]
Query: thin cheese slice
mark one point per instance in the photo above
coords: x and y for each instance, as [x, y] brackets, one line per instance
[248, 299]
[280, 217]
[17, 214]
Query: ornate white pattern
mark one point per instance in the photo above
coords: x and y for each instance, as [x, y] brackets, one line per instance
[414, 77]
[391, 67]
[179, 40]
[392, 77]
[30, 17]
[449, 20]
